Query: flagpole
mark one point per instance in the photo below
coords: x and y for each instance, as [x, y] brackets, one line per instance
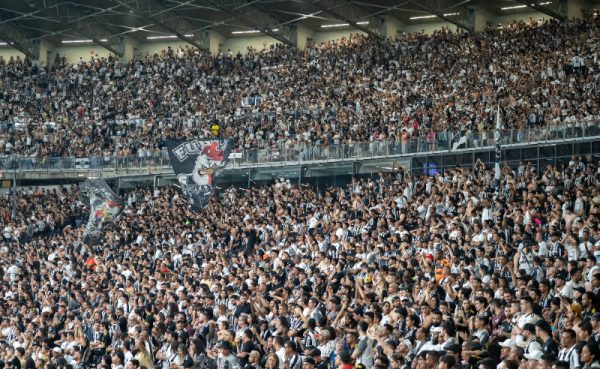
[498, 150]
[14, 195]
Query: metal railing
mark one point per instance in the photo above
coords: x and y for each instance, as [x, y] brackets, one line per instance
[158, 161]
[442, 142]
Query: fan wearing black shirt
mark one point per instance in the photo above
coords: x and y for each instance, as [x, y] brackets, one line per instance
[250, 240]
[246, 347]
[244, 307]
[98, 342]
[544, 332]
[181, 330]
[12, 362]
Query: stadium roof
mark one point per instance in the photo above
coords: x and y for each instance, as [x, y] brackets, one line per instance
[23, 23]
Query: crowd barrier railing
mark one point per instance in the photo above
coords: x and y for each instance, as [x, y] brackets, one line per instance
[157, 161]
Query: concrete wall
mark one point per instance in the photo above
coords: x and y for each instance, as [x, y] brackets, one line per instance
[303, 34]
[241, 43]
[392, 27]
[130, 46]
[85, 52]
[325, 36]
[6, 52]
[152, 47]
[574, 8]
[428, 28]
[520, 17]
[216, 41]
[71, 52]
[46, 53]
[481, 18]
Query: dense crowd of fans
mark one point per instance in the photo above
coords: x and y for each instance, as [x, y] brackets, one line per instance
[445, 271]
[351, 90]
[397, 271]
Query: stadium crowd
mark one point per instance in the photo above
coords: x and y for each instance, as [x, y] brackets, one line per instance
[352, 90]
[398, 271]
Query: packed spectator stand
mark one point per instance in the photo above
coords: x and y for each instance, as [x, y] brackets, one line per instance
[451, 271]
[392, 272]
[429, 88]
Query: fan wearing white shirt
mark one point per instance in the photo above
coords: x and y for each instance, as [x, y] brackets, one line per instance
[586, 247]
[568, 350]
[527, 314]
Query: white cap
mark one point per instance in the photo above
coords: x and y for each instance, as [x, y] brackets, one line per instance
[408, 344]
[508, 343]
[535, 355]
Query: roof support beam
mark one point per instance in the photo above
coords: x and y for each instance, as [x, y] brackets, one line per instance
[343, 18]
[258, 5]
[385, 9]
[18, 39]
[160, 23]
[75, 23]
[440, 15]
[534, 5]
[262, 21]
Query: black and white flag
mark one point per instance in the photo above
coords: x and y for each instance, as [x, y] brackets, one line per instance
[105, 207]
[196, 163]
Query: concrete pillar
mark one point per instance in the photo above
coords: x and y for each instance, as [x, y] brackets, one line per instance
[129, 48]
[46, 51]
[480, 18]
[303, 35]
[391, 27]
[215, 41]
[575, 8]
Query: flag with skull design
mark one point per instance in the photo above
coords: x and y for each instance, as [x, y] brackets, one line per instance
[196, 163]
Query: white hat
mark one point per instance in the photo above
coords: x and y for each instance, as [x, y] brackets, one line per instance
[535, 355]
[57, 350]
[437, 330]
[408, 344]
[508, 343]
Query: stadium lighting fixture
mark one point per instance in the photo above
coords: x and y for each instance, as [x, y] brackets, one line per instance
[250, 31]
[245, 32]
[523, 6]
[432, 16]
[363, 23]
[82, 41]
[164, 37]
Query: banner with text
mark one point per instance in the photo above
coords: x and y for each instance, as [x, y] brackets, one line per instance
[196, 163]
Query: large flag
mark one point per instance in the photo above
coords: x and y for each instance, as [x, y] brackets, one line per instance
[105, 207]
[498, 148]
[196, 163]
